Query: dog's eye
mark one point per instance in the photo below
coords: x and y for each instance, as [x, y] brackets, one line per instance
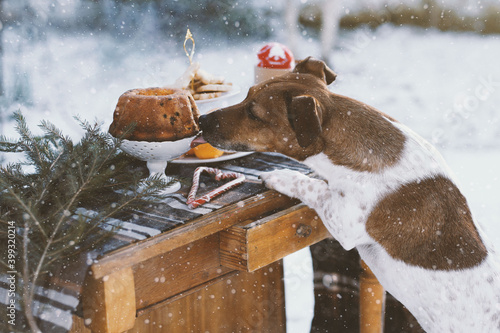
[251, 113]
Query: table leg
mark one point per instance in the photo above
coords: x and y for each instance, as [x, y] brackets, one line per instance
[109, 302]
[372, 302]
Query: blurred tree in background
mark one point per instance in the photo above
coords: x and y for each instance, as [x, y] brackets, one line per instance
[223, 18]
[1, 54]
[219, 18]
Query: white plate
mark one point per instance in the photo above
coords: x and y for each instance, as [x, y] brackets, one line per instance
[196, 160]
[226, 99]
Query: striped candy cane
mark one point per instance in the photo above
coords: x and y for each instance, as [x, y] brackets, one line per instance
[194, 202]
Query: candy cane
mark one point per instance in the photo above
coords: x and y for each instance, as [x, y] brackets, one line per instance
[193, 202]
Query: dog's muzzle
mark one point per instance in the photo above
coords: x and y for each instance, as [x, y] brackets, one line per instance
[212, 132]
[210, 128]
[209, 122]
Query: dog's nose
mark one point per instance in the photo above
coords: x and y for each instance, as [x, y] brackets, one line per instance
[208, 122]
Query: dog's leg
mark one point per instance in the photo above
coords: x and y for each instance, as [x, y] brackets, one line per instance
[296, 185]
[342, 212]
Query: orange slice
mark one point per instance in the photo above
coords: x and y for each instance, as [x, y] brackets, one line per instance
[206, 150]
[190, 152]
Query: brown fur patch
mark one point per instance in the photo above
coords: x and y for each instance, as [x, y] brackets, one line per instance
[353, 134]
[427, 224]
[361, 137]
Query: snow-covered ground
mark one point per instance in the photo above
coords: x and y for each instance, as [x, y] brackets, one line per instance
[446, 86]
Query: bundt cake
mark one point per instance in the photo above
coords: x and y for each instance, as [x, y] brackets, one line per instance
[159, 114]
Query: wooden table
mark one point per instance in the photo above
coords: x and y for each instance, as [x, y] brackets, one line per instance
[220, 272]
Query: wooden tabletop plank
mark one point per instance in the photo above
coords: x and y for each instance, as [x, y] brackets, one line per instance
[201, 227]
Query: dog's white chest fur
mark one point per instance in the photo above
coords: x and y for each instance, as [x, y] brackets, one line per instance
[463, 300]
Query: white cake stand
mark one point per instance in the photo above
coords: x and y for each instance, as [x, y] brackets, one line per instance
[157, 155]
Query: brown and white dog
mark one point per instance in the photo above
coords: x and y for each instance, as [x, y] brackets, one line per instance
[386, 191]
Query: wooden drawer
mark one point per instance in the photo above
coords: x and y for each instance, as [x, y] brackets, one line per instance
[251, 245]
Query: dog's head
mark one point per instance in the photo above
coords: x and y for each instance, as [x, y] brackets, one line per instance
[282, 115]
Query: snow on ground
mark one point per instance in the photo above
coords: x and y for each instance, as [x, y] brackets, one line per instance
[478, 173]
[443, 85]
[446, 86]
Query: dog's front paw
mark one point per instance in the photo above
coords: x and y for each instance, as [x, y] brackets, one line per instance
[283, 181]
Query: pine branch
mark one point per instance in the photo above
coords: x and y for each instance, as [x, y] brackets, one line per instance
[7, 146]
[29, 288]
[52, 131]
[28, 142]
[24, 206]
[67, 176]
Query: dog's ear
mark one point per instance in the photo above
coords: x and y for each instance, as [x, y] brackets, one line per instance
[316, 67]
[304, 115]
